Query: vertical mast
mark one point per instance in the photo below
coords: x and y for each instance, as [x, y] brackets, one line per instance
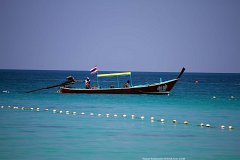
[131, 80]
[97, 81]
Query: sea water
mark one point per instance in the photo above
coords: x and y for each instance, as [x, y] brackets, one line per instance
[209, 98]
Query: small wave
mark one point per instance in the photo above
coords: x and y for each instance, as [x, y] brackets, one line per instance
[6, 91]
[164, 135]
[51, 126]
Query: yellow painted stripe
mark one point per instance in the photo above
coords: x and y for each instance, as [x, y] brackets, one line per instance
[114, 74]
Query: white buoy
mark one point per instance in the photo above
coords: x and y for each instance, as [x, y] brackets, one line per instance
[152, 118]
[222, 126]
[107, 115]
[31, 108]
[74, 113]
[2, 106]
[208, 125]
[9, 106]
[54, 111]
[232, 97]
[22, 108]
[230, 127]
[124, 115]
[61, 111]
[99, 115]
[201, 124]
[37, 109]
[15, 107]
[133, 116]
[162, 120]
[174, 121]
[67, 112]
[82, 113]
[91, 114]
[115, 115]
[214, 97]
[185, 122]
[46, 109]
[142, 117]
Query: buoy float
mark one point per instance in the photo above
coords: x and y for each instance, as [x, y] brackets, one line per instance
[115, 115]
[185, 122]
[208, 125]
[214, 97]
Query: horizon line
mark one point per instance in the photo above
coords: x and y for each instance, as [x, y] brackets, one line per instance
[119, 71]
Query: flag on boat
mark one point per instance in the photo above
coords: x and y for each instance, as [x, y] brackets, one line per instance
[94, 70]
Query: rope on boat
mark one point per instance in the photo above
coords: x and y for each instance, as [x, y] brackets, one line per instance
[152, 119]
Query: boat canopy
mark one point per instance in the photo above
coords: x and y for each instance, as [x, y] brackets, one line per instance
[114, 74]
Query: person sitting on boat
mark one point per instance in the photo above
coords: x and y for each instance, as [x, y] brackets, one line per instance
[126, 85]
[87, 83]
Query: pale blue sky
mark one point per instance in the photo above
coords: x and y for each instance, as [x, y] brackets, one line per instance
[125, 35]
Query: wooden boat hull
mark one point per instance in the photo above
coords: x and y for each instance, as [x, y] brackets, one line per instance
[156, 88]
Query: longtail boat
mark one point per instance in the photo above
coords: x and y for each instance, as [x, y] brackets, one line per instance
[155, 88]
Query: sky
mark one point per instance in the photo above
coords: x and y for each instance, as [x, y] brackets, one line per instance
[121, 35]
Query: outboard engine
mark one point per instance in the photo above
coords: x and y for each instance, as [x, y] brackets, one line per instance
[70, 80]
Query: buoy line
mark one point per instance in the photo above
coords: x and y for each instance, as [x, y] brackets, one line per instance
[123, 116]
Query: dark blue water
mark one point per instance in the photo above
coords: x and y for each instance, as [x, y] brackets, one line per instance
[31, 134]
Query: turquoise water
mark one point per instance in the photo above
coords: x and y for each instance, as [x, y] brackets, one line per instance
[26, 134]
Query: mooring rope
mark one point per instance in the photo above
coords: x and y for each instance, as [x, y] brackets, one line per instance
[133, 116]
